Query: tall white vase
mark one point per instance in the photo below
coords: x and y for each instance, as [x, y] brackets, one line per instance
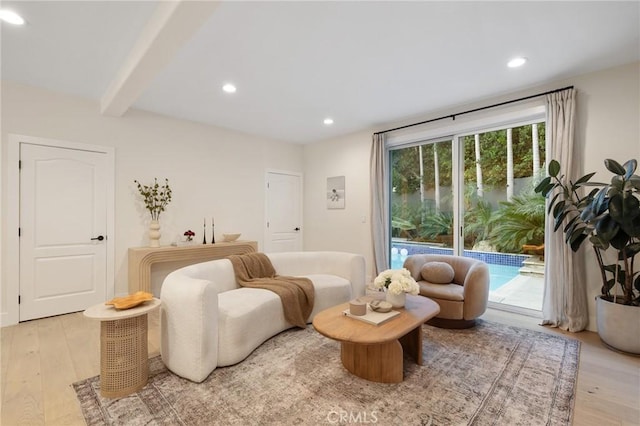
[397, 300]
[154, 234]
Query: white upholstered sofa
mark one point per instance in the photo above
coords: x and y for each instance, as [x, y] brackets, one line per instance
[207, 320]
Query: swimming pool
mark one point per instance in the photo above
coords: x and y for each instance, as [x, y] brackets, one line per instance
[500, 274]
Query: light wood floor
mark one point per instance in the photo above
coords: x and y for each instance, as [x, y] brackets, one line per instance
[40, 359]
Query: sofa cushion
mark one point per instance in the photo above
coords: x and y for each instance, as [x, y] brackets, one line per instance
[330, 290]
[242, 314]
[247, 317]
[452, 292]
[437, 272]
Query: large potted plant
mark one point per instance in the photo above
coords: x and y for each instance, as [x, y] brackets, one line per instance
[608, 217]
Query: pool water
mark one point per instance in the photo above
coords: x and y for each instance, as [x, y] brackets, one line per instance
[500, 274]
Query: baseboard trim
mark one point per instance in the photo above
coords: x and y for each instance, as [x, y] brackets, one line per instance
[6, 320]
[515, 309]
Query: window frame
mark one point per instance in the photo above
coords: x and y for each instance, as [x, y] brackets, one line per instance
[521, 115]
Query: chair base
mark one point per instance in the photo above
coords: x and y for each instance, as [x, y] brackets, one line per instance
[451, 323]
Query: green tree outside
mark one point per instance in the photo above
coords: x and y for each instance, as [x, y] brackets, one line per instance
[426, 221]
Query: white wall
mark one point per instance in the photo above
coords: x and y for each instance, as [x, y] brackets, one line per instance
[347, 229]
[608, 126]
[212, 171]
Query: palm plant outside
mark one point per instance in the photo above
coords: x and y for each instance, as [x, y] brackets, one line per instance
[421, 196]
[518, 222]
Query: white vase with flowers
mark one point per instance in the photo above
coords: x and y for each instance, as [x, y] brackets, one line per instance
[396, 283]
[156, 198]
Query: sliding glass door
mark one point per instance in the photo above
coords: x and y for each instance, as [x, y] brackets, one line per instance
[422, 193]
[472, 195]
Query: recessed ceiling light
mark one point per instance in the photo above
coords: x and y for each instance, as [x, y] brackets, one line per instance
[328, 121]
[517, 62]
[229, 88]
[11, 17]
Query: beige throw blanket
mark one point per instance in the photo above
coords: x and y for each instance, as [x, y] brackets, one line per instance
[296, 293]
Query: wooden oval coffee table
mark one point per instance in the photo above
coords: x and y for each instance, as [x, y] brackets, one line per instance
[375, 352]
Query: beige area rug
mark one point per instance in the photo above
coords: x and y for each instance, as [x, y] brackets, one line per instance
[489, 375]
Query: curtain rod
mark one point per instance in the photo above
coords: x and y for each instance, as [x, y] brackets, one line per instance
[453, 116]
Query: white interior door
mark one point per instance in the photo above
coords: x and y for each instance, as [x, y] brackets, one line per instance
[63, 225]
[284, 212]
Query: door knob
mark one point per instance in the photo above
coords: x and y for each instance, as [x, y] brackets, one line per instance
[296, 229]
[99, 238]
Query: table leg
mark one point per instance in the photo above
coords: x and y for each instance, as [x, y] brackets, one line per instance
[412, 344]
[378, 363]
[124, 366]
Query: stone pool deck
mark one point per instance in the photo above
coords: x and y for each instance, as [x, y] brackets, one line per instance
[523, 291]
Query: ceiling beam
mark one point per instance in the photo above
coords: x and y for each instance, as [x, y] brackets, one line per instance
[172, 24]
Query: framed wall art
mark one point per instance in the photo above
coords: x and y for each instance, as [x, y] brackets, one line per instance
[335, 192]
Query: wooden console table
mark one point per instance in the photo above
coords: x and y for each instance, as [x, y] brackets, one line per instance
[141, 258]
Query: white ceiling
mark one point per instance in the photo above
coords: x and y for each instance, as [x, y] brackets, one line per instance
[365, 64]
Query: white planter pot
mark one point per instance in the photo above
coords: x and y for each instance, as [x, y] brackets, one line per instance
[619, 325]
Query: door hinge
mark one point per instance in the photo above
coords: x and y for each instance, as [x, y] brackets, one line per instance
[267, 224]
[19, 164]
[268, 185]
[19, 232]
[18, 299]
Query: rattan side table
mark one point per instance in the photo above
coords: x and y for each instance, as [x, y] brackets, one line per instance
[124, 363]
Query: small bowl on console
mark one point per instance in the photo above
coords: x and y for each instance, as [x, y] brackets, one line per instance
[230, 237]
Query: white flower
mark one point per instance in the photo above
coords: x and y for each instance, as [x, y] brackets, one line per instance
[397, 281]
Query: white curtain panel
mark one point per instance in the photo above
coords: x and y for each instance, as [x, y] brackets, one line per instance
[379, 203]
[565, 298]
